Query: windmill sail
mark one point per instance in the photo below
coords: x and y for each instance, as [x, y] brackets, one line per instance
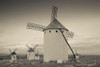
[35, 46]
[35, 26]
[28, 46]
[41, 27]
[10, 50]
[15, 50]
[54, 12]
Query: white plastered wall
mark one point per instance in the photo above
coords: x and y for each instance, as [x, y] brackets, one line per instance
[55, 47]
[30, 55]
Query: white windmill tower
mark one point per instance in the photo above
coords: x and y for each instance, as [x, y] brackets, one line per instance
[77, 56]
[55, 39]
[37, 55]
[31, 52]
[13, 55]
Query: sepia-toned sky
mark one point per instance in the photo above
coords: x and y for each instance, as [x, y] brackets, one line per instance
[79, 16]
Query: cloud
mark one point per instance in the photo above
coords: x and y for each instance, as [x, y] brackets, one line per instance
[86, 44]
[85, 40]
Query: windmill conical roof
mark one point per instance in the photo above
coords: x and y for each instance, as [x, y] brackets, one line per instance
[13, 53]
[31, 50]
[55, 24]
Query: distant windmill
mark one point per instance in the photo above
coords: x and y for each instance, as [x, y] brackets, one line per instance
[13, 55]
[55, 39]
[31, 52]
[77, 56]
[37, 55]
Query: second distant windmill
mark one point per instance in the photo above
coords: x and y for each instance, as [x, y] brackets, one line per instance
[31, 52]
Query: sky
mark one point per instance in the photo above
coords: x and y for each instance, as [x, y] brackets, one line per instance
[79, 16]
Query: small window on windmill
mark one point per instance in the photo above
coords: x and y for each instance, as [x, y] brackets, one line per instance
[49, 31]
[56, 31]
[62, 31]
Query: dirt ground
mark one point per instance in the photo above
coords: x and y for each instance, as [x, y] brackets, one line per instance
[85, 61]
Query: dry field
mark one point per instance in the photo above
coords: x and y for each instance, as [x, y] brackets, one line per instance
[85, 61]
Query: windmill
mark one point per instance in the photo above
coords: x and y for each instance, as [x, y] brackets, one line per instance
[31, 52]
[37, 55]
[13, 55]
[77, 56]
[55, 39]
